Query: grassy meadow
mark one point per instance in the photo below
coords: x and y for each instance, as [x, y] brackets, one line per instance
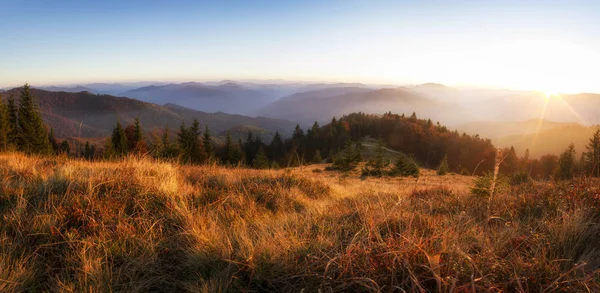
[139, 225]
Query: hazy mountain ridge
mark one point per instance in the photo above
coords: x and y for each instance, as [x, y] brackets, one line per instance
[498, 129]
[321, 105]
[228, 97]
[552, 141]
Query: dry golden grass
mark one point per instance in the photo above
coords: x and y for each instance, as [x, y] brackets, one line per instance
[138, 225]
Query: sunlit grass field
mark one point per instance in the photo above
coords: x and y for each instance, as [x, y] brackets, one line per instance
[138, 225]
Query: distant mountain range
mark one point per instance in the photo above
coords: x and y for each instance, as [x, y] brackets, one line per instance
[89, 115]
[228, 97]
[491, 113]
[322, 105]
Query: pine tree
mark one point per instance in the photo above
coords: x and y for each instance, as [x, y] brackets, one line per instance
[12, 135]
[197, 154]
[229, 150]
[443, 168]
[183, 143]
[510, 164]
[249, 151]
[566, 163]
[313, 141]
[358, 152]
[87, 153]
[236, 156]
[347, 159]
[167, 151]
[277, 148]
[317, 159]
[64, 148]
[33, 137]
[260, 161]
[190, 150]
[593, 155]
[53, 143]
[298, 134]
[413, 117]
[156, 146]
[138, 132]
[298, 144]
[378, 164]
[4, 126]
[405, 166]
[109, 150]
[118, 141]
[207, 143]
[138, 144]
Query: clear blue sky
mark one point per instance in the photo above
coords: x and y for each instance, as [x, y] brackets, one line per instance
[518, 44]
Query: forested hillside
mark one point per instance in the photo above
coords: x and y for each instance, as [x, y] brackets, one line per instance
[89, 115]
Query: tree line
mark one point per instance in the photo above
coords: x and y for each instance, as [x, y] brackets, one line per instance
[418, 141]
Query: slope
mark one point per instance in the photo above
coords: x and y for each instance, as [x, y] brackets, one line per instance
[89, 115]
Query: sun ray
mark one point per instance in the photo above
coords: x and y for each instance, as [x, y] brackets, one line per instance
[540, 122]
[580, 120]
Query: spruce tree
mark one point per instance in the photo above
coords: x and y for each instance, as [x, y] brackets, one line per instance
[566, 163]
[313, 141]
[53, 142]
[167, 150]
[207, 143]
[358, 152]
[138, 132]
[156, 146]
[12, 135]
[109, 150]
[249, 150]
[260, 161]
[64, 148]
[347, 159]
[33, 137]
[197, 155]
[298, 144]
[405, 166]
[413, 117]
[234, 152]
[510, 164]
[593, 155]
[183, 143]
[4, 126]
[119, 141]
[228, 153]
[378, 164]
[298, 135]
[87, 153]
[443, 168]
[139, 146]
[277, 148]
[317, 159]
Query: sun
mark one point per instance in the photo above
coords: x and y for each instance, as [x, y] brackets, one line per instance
[549, 94]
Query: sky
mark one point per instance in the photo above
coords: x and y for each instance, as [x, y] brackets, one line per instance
[537, 45]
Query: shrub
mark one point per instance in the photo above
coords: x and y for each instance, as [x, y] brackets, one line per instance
[405, 166]
[483, 184]
[519, 178]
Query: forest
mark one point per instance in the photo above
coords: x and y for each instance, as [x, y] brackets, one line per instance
[419, 141]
